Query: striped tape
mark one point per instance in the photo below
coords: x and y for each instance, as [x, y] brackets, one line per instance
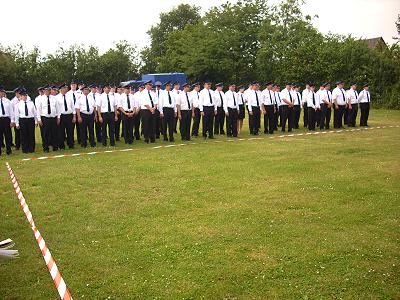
[48, 258]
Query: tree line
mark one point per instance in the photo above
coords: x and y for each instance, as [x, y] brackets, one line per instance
[234, 42]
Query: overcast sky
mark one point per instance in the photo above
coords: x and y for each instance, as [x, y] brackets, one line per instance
[47, 23]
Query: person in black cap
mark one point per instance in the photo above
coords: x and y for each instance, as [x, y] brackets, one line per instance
[231, 109]
[74, 95]
[352, 104]
[242, 111]
[208, 109]
[176, 91]
[364, 98]
[254, 98]
[268, 108]
[159, 126]
[148, 108]
[17, 134]
[185, 112]
[6, 120]
[278, 107]
[138, 115]
[325, 98]
[107, 115]
[25, 120]
[304, 96]
[297, 106]
[127, 109]
[117, 91]
[220, 116]
[168, 111]
[97, 125]
[319, 93]
[195, 94]
[312, 107]
[85, 107]
[287, 105]
[339, 100]
[67, 118]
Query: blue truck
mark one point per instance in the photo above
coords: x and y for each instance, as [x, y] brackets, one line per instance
[162, 77]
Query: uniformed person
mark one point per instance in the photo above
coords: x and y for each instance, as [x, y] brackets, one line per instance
[231, 109]
[74, 95]
[176, 91]
[138, 114]
[339, 100]
[97, 124]
[168, 111]
[364, 98]
[208, 109]
[242, 109]
[311, 107]
[85, 107]
[157, 91]
[107, 115]
[352, 105]
[220, 116]
[66, 108]
[6, 120]
[48, 116]
[148, 108]
[254, 99]
[195, 95]
[287, 103]
[14, 101]
[268, 108]
[184, 105]
[297, 106]
[304, 97]
[127, 108]
[25, 120]
[319, 94]
[277, 99]
[326, 107]
[117, 91]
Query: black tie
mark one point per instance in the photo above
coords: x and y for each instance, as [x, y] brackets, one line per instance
[298, 98]
[209, 94]
[328, 96]
[270, 98]
[48, 105]
[158, 93]
[169, 98]
[241, 96]
[344, 98]
[151, 100]
[290, 96]
[73, 96]
[355, 93]
[26, 109]
[109, 104]
[367, 96]
[87, 104]
[187, 99]
[65, 104]
[258, 103]
[2, 108]
[129, 102]
[313, 98]
[222, 100]
[234, 100]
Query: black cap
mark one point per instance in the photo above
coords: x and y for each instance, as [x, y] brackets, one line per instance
[232, 84]
[176, 83]
[207, 81]
[167, 83]
[241, 87]
[195, 84]
[22, 91]
[17, 89]
[254, 82]
[73, 81]
[158, 83]
[339, 82]
[84, 87]
[54, 87]
[326, 84]
[127, 86]
[312, 84]
[148, 82]
[64, 85]
[185, 84]
[106, 85]
[2, 88]
[268, 83]
[354, 83]
[219, 84]
[365, 85]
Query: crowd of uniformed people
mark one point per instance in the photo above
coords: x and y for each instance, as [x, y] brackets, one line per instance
[97, 112]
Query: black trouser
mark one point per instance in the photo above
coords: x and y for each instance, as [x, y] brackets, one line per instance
[296, 112]
[27, 127]
[208, 121]
[346, 115]
[219, 121]
[305, 115]
[127, 128]
[325, 116]
[276, 117]
[86, 126]
[98, 131]
[136, 123]
[185, 123]
[78, 131]
[287, 116]
[5, 131]
[269, 119]
[108, 121]
[351, 122]
[364, 107]
[66, 128]
[311, 118]
[17, 138]
[317, 116]
[231, 122]
[148, 123]
[50, 137]
[255, 120]
[168, 122]
[338, 116]
[158, 126]
[117, 128]
[196, 122]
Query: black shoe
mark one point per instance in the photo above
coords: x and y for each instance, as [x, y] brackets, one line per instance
[172, 140]
[46, 150]
[93, 146]
[146, 141]
[16, 148]
[211, 137]
[117, 139]
[8, 152]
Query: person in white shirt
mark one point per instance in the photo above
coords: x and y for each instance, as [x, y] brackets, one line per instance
[148, 107]
[297, 106]
[6, 120]
[73, 93]
[220, 116]
[231, 110]
[242, 111]
[17, 134]
[185, 109]
[48, 115]
[85, 107]
[195, 94]
[318, 112]
[138, 115]
[304, 96]
[339, 101]
[208, 109]
[278, 112]
[159, 126]
[107, 115]
[66, 107]
[176, 92]
[325, 103]
[287, 103]
[254, 99]
[311, 107]
[268, 108]
[127, 108]
[364, 98]
[352, 104]
[168, 111]
[25, 119]
[97, 91]
[117, 95]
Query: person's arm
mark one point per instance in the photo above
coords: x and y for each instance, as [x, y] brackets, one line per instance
[201, 103]
[78, 115]
[225, 106]
[16, 116]
[161, 103]
[283, 97]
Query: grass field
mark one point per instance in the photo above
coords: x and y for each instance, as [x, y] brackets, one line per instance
[313, 216]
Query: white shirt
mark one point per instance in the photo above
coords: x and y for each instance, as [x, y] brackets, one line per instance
[8, 109]
[195, 98]
[147, 97]
[312, 100]
[304, 95]
[339, 96]
[137, 97]
[123, 102]
[267, 97]
[297, 98]
[325, 95]
[117, 97]
[252, 99]
[20, 111]
[42, 107]
[352, 95]
[240, 98]
[182, 101]
[364, 97]
[165, 97]
[278, 100]
[61, 104]
[74, 95]
[219, 97]
[285, 94]
[230, 101]
[82, 105]
[102, 102]
[207, 99]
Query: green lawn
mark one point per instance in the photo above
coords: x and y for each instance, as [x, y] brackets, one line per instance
[313, 216]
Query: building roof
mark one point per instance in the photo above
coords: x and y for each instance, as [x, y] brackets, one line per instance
[374, 42]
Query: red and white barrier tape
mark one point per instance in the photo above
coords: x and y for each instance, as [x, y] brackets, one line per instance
[50, 263]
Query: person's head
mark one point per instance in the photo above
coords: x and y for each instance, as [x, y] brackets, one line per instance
[2, 91]
[127, 89]
[112, 89]
[176, 85]
[106, 88]
[307, 86]
[340, 84]
[186, 87]
[63, 89]
[168, 85]
[219, 86]
[54, 90]
[288, 86]
[321, 87]
[366, 87]
[241, 89]
[99, 89]
[120, 90]
[232, 87]
[85, 90]
[196, 86]
[207, 84]
[268, 85]
[275, 87]
[255, 85]
[158, 85]
[141, 87]
[81, 85]
[297, 87]
[73, 85]
[47, 90]
[40, 90]
[354, 86]
[312, 87]
[149, 85]
[92, 88]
